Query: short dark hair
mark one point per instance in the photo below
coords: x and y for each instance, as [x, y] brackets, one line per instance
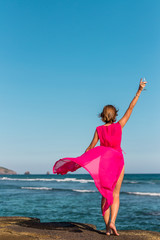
[109, 113]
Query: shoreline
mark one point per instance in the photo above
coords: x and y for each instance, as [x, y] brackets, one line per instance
[25, 228]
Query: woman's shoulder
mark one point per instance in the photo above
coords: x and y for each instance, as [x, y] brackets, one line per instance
[99, 128]
[119, 125]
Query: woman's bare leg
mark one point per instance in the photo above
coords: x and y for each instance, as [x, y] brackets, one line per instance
[115, 205]
[106, 215]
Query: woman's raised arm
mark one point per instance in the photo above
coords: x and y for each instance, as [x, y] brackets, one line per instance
[127, 114]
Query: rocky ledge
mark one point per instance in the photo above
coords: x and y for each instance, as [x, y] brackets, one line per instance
[23, 228]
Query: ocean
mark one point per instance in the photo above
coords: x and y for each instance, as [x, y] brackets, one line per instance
[74, 198]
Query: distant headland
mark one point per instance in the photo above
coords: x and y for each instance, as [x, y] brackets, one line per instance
[6, 171]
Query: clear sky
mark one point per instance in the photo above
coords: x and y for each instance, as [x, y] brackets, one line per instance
[61, 61]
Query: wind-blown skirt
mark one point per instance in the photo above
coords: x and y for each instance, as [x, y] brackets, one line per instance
[104, 164]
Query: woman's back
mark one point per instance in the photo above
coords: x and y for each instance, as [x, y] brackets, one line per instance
[110, 136]
[105, 163]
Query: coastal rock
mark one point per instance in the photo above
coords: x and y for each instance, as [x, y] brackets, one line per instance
[27, 173]
[6, 171]
[24, 228]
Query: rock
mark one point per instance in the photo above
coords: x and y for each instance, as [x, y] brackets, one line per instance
[48, 173]
[27, 173]
[6, 171]
[23, 228]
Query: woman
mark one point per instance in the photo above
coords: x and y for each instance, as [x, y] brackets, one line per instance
[105, 163]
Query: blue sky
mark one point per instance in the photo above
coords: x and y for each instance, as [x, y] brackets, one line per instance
[61, 62]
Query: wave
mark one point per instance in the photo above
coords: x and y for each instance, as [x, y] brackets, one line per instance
[37, 188]
[130, 182]
[144, 194]
[154, 213]
[74, 180]
[141, 182]
[83, 190]
[48, 180]
[58, 189]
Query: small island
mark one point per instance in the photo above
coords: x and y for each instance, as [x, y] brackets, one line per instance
[6, 171]
[27, 173]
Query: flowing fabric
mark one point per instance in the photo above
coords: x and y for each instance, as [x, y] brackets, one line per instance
[104, 163]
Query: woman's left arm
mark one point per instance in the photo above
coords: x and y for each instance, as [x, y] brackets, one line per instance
[94, 141]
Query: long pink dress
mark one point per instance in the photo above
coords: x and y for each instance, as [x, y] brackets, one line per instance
[104, 163]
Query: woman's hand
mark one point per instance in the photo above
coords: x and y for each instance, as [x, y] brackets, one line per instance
[127, 114]
[142, 85]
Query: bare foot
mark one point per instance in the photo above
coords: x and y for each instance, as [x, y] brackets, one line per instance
[113, 228]
[108, 230]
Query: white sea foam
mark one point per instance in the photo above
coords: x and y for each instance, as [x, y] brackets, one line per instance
[155, 213]
[73, 180]
[82, 190]
[132, 182]
[139, 182]
[47, 179]
[36, 188]
[145, 194]
[46, 188]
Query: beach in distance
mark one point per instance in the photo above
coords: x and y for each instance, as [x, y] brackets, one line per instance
[74, 198]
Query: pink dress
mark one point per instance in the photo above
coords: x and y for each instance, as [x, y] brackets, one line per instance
[104, 163]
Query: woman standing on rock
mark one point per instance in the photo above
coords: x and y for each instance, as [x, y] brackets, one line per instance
[105, 163]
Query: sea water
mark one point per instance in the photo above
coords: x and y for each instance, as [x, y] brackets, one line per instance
[74, 198]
